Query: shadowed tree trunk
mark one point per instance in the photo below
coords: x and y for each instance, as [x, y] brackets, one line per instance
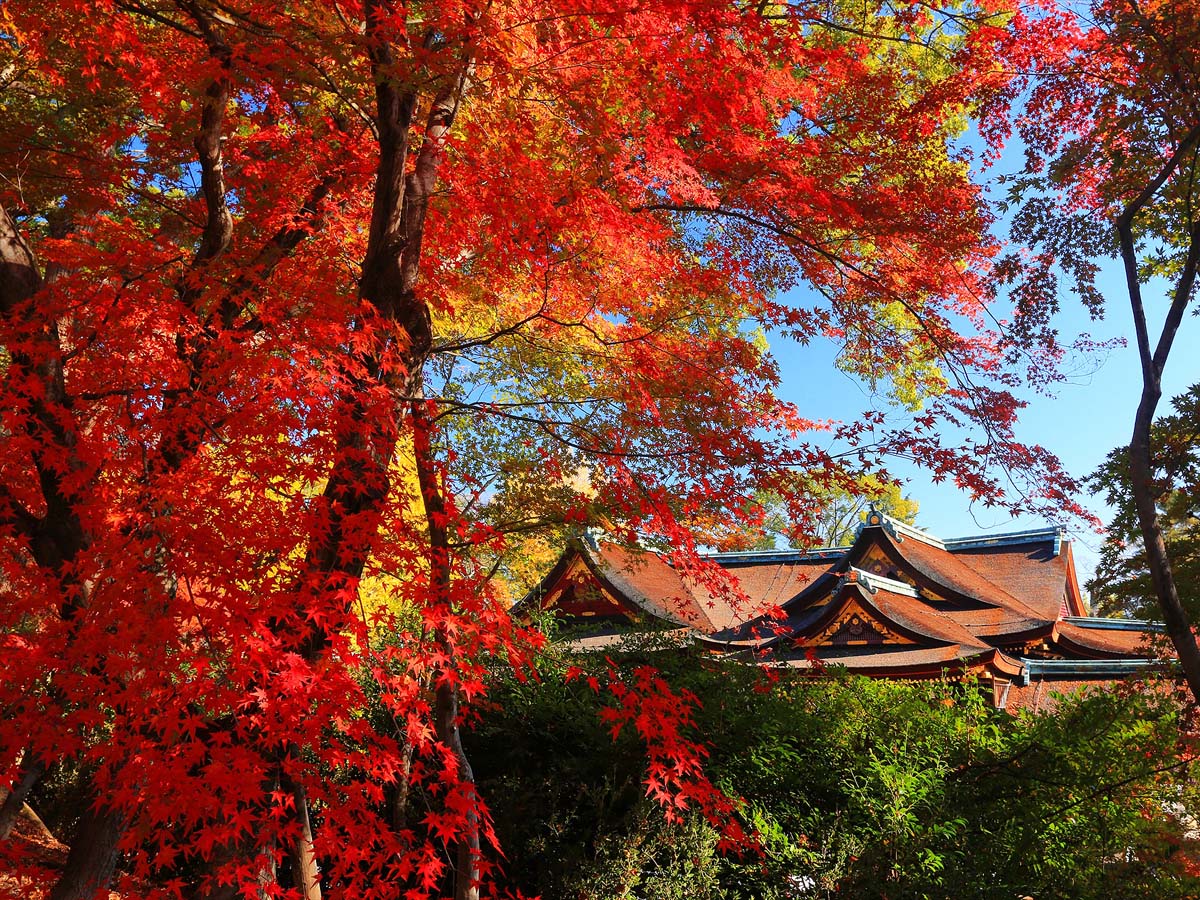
[469, 850]
[32, 770]
[93, 856]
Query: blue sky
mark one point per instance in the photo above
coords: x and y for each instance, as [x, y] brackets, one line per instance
[1085, 418]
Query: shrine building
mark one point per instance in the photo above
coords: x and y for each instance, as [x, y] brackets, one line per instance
[897, 603]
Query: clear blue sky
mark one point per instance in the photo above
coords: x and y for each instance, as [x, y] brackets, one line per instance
[1088, 416]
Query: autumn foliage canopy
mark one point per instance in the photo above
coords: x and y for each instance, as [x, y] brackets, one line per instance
[312, 312]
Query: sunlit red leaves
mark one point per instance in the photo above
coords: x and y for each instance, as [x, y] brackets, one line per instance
[661, 717]
[623, 196]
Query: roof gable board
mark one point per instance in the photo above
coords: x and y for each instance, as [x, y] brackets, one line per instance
[855, 623]
[573, 590]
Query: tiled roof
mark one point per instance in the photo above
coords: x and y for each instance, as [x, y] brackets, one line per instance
[916, 616]
[776, 583]
[698, 600]
[987, 600]
[999, 625]
[953, 570]
[1031, 572]
[646, 579]
[903, 611]
[768, 628]
[1105, 643]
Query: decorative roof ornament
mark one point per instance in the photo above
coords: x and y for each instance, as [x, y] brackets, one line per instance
[900, 530]
[873, 582]
[896, 529]
[876, 519]
[874, 516]
[592, 536]
[856, 576]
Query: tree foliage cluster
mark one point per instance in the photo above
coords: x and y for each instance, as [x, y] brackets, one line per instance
[853, 787]
[294, 295]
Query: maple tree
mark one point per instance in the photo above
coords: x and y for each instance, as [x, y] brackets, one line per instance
[1111, 131]
[297, 295]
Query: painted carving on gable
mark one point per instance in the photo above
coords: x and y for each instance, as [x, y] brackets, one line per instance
[856, 628]
[578, 595]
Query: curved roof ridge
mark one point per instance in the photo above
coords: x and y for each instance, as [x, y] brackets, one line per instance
[897, 529]
[782, 556]
[901, 530]
[1028, 536]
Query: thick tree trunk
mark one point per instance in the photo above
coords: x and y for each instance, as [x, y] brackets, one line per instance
[358, 484]
[93, 856]
[56, 539]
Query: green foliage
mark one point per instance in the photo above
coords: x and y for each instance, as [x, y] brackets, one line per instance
[1121, 584]
[842, 507]
[856, 788]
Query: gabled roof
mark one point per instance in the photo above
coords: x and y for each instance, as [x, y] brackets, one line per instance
[1034, 572]
[776, 579]
[649, 581]
[944, 574]
[897, 610]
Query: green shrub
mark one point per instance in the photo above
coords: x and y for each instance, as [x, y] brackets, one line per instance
[855, 788]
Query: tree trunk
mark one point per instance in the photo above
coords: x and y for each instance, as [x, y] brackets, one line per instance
[467, 869]
[93, 856]
[32, 770]
[1141, 454]
[257, 848]
[305, 875]
[399, 806]
[469, 852]
[1141, 475]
